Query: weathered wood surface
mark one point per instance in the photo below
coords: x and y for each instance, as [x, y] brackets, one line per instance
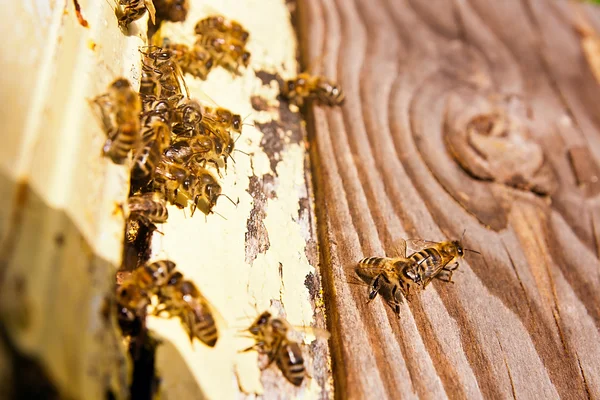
[477, 115]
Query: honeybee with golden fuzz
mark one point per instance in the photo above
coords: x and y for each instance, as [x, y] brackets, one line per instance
[172, 10]
[203, 189]
[438, 260]
[219, 117]
[400, 273]
[148, 208]
[219, 25]
[180, 297]
[199, 150]
[133, 295]
[159, 65]
[273, 338]
[187, 118]
[229, 54]
[119, 109]
[196, 61]
[306, 86]
[156, 138]
[131, 10]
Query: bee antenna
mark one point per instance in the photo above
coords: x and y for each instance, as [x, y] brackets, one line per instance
[247, 117]
[472, 251]
[243, 152]
[229, 198]
[220, 215]
[232, 159]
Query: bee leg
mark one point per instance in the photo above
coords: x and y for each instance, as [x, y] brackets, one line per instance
[445, 275]
[375, 286]
[452, 267]
[396, 303]
[256, 346]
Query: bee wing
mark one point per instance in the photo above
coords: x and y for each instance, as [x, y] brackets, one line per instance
[368, 268]
[309, 333]
[415, 245]
[151, 11]
[398, 248]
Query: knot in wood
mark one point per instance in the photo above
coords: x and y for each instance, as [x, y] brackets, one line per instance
[490, 139]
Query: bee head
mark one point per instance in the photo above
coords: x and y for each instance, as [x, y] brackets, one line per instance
[236, 122]
[245, 58]
[260, 322]
[458, 246]
[121, 83]
[291, 85]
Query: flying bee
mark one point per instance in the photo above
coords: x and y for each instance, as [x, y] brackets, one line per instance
[131, 10]
[180, 297]
[132, 300]
[172, 10]
[273, 337]
[156, 137]
[151, 277]
[133, 294]
[148, 208]
[306, 86]
[218, 23]
[119, 109]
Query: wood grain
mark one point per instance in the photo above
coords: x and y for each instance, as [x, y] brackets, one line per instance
[463, 114]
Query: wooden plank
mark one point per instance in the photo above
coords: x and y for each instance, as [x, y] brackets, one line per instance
[459, 115]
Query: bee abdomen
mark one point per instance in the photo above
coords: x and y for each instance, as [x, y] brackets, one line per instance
[291, 363]
[372, 261]
[206, 330]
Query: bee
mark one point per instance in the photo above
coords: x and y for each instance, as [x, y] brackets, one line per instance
[399, 272]
[201, 149]
[180, 297]
[306, 86]
[433, 261]
[196, 61]
[203, 189]
[188, 116]
[134, 293]
[219, 117]
[169, 177]
[172, 10]
[158, 64]
[148, 208]
[438, 260]
[120, 108]
[218, 23]
[131, 10]
[156, 137]
[273, 338]
[230, 54]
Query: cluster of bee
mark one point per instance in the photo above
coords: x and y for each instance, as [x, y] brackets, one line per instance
[128, 11]
[405, 274]
[176, 297]
[220, 42]
[174, 139]
[177, 147]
